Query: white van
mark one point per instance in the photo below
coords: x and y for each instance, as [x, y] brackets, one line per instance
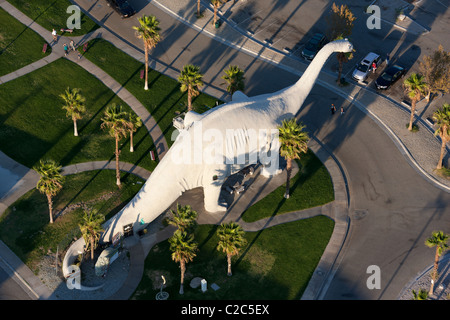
[365, 66]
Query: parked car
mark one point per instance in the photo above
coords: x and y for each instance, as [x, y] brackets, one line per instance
[313, 46]
[389, 76]
[123, 8]
[362, 70]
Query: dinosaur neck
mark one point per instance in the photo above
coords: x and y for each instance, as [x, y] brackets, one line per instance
[297, 93]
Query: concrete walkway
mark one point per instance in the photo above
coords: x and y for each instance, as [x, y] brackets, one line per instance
[140, 249]
[58, 52]
[15, 267]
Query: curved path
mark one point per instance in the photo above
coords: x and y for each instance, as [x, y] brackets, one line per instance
[26, 179]
[58, 52]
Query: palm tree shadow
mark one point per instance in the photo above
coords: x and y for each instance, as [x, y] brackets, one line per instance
[269, 220]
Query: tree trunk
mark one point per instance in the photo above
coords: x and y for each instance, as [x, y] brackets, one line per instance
[50, 207]
[428, 94]
[215, 15]
[413, 110]
[131, 142]
[441, 158]
[288, 176]
[435, 270]
[229, 264]
[183, 269]
[146, 66]
[75, 129]
[340, 72]
[92, 248]
[117, 163]
[189, 99]
[198, 8]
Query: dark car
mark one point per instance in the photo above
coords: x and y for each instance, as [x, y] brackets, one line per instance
[313, 46]
[389, 76]
[123, 8]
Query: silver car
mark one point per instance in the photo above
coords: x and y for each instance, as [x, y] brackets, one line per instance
[365, 66]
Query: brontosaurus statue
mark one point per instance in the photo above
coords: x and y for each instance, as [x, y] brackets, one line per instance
[218, 143]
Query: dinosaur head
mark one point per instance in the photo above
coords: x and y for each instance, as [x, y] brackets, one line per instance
[343, 45]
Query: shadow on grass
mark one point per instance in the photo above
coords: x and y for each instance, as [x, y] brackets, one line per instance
[280, 204]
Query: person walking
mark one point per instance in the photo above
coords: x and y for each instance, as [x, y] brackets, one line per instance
[342, 110]
[333, 109]
[387, 59]
[72, 45]
[55, 35]
[66, 49]
[374, 67]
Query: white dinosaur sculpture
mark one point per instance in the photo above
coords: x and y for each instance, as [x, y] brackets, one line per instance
[218, 143]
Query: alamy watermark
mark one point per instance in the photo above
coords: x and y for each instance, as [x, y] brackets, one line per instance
[232, 146]
[374, 280]
[374, 21]
[74, 21]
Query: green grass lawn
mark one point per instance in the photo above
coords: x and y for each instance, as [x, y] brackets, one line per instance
[52, 14]
[25, 227]
[163, 99]
[277, 263]
[19, 45]
[310, 187]
[34, 126]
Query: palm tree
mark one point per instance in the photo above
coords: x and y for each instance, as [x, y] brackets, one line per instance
[74, 106]
[50, 182]
[148, 31]
[234, 77]
[91, 229]
[198, 9]
[191, 80]
[231, 240]
[183, 249]
[421, 295]
[293, 142]
[183, 218]
[116, 121]
[342, 58]
[442, 120]
[439, 240]
[135, 123]
[415, 86]
[340, 25]
[216, 4]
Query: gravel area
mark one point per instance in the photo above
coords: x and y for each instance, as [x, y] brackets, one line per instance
[441, 288]
[110, 284]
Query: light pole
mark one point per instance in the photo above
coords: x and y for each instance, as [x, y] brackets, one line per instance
[162, 295]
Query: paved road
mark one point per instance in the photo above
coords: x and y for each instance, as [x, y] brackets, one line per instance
[392, 208]
[9, 288]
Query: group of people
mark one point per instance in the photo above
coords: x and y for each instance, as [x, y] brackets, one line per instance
[333, 109]
[71, 47]
[67, 47]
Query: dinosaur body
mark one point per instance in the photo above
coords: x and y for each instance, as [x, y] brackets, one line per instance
[214, 145]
